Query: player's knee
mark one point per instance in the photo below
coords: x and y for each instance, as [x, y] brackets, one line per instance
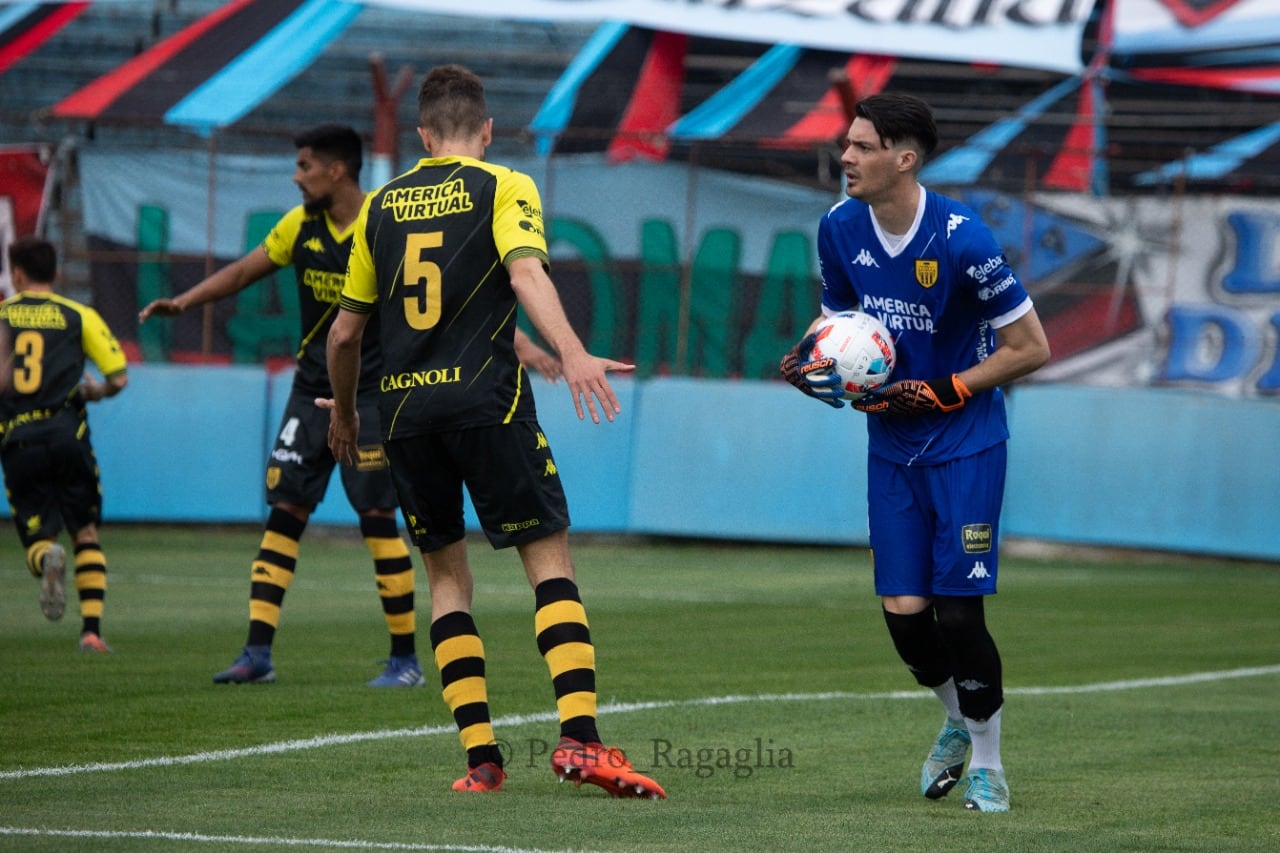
[961, 620]
[915, 636]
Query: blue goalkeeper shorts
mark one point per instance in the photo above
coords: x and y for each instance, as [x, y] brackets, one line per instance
[935, 529]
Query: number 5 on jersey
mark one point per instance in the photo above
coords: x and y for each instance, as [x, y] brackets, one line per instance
[422, 307]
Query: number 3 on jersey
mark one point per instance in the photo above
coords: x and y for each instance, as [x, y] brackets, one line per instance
[28, 373]
[422, 307]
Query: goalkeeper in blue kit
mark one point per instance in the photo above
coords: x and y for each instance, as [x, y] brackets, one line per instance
[963, 326]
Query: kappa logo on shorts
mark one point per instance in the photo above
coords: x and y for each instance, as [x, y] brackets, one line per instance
[978, 572]
[976, 538]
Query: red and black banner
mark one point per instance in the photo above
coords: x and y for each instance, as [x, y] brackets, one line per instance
[28, 28]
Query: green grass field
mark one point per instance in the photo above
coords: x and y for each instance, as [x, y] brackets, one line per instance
[757, 684]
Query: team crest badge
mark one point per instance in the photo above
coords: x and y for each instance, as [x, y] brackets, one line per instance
[273, 477]
[927, 272]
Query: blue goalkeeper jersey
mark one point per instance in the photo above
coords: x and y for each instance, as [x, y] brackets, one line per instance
[942, 292]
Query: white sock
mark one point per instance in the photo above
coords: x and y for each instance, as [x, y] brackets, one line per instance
[946, 693]
[986, 742]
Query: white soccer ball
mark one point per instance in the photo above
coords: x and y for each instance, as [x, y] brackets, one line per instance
[862, 348]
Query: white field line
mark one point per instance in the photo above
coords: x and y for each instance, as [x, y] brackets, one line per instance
[195, 837]
[512, 720]
[321, 741]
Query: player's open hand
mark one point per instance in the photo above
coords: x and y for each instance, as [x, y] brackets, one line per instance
[160, 308]
[588, 382]
[545, 364]
[344, 432]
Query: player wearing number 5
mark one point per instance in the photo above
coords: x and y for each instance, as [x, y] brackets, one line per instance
[314, 239]
[445, 255]
[930, 269]
[49, 468]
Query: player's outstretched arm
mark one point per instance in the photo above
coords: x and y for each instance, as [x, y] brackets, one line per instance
[585, 374]
[1022, 348]
[232, 278]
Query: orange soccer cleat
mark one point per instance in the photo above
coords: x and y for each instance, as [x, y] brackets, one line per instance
[91, 642]
[604, 766]
[486, 777]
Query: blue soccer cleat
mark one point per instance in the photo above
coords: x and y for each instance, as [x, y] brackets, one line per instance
[401, 671]
[988, 791]
[942, 769]
[252, 667]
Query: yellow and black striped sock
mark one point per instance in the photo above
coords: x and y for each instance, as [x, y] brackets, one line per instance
[35, 556]
[565, 642]
[393, 571]
[91, 584]
[460, 657]
[272, 573]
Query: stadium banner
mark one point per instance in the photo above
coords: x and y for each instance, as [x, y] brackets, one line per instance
[24, 185]
[709, 274]
[1172, 26]
[1225, 44]
[1028, 33]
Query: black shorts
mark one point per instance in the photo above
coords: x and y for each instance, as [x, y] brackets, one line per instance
[508, 471]
[301, 463]
[51, 475]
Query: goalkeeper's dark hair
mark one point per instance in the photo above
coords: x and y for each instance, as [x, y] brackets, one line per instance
[334, 142]
[900, 118]
[37, 259]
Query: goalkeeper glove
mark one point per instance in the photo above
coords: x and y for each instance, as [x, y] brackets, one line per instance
[912, 397]
[808, 374]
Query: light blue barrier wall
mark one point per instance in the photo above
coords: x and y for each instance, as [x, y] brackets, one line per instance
[1166, 469]
[183, 444]
[747, 460]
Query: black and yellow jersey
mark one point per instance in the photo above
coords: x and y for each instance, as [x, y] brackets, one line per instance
[429, 255]
[50, 337]
[318, 253]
